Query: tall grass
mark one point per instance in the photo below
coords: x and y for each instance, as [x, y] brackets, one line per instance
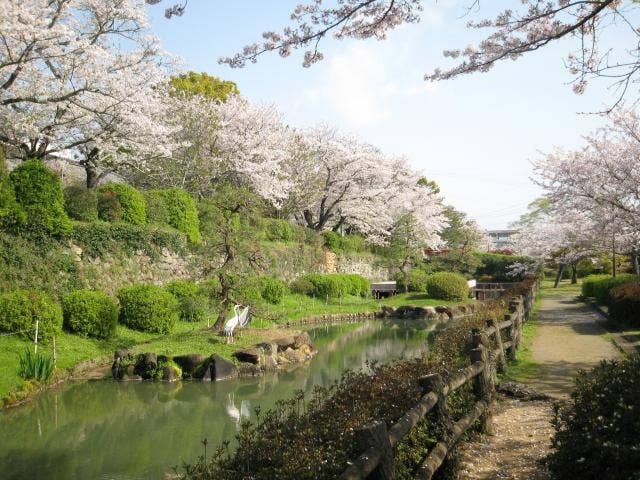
[35, 366]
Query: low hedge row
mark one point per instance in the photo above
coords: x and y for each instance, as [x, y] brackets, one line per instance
[624, 303]
[598, 286]
[335, 285]
[439, 285]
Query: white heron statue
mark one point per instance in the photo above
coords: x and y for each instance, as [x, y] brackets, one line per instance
[240, 318]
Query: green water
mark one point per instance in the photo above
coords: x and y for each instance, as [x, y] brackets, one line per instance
[140, 430]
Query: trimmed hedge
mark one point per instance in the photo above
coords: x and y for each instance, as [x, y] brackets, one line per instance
[132, 207]
[335, 285]
[90, 313]
[264, 288]
[596, 434]
[148, 308]
[81, 203]
[588, 284]
[447, 286]
[20, 309]
[11, 213]
[39, 192]
[416, 280]
[599, 288]
[176, 208]
[193, 302]
[624, 303]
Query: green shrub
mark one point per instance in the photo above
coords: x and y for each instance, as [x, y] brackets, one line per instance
[35, 366]
[272, 290]
[98, 239]
[12, 214]
[589, 282]
[278, 230]
[447, 286]
[81, 203]
[130, 200]
[358, 285]
[90, 313]
[193, 303]
[353, 243]
[21, 309]
[624, 303]
[496, 266]
[302, 285]
[39, 192]
[176, 208]
[596, 431]
[600, 288]
[148, 308]
[331, 240]
[109, 208]
[416, 280]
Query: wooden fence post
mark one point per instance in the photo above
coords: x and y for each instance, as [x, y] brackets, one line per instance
[511, 350]
[434, 383]
[483, 384]
[375, 435]
[501, 362]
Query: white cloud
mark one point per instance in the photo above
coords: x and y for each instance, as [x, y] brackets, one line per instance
[359, 87]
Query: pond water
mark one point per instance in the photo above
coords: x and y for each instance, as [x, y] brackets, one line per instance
[140, 430]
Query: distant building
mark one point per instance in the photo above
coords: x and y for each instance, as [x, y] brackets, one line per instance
[500, 239]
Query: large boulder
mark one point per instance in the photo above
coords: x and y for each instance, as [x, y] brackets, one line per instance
[170, 374]
[249, 355]
[221, 368]
[302, 339]
[387, 311]
[189, 362]
[284, 342]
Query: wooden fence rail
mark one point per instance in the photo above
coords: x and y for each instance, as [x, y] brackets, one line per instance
[377, 442]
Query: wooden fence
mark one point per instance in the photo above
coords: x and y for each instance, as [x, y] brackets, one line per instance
[490, 290]
[377, 442]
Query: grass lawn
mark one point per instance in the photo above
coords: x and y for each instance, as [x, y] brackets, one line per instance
[565, 287]
[190, 337]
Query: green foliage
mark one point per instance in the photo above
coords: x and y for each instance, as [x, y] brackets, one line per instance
[21, 309]
[334, 285]
[45, 265]
[599, 287]
[278, 230]
[416, 280]
[131, 202]
[148, 308]
[176, 208]
[81, 203]
[496, 266]
[596, 431]
[39, 192]
[193, 302]
[624, 303]
[589, 283]
[194, 83]
[447, 286]
[11, 213]
[90, 313]
[273, 290]
[332, 240]
[98, 239]
[257, 288]
[35, 366]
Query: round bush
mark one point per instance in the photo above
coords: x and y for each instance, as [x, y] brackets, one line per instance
[176, 208]
[272, 290]
[357, 284]
[624, 303]
[39, 192]
[148, 308]
[447, 286]
[20, 309]
[596, 431]
[90, 313]
[11, 213]
[328, 286]
[332, 240]
[192, 301]
[302, 285]
[131, 202]
[109, 208]
[416, 281]
[81, 203]
[278, 230]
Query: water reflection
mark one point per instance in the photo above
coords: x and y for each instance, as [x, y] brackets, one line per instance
[110, 430]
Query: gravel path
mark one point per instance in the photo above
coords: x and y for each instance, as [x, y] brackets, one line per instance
[568, 338]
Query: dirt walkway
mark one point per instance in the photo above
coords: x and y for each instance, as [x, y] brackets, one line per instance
[569, 338]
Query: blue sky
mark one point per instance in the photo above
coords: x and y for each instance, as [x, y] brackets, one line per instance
[474, 135]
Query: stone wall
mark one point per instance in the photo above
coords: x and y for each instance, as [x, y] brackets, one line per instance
[366, 265]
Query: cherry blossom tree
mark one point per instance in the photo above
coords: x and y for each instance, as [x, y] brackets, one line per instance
[79, 76]
[234, 141]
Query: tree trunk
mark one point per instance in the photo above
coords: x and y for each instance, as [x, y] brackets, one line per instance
[614, 268]
[559, 276]
[222, 316]
[574, 274]
[636, 263]
[92, 175]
